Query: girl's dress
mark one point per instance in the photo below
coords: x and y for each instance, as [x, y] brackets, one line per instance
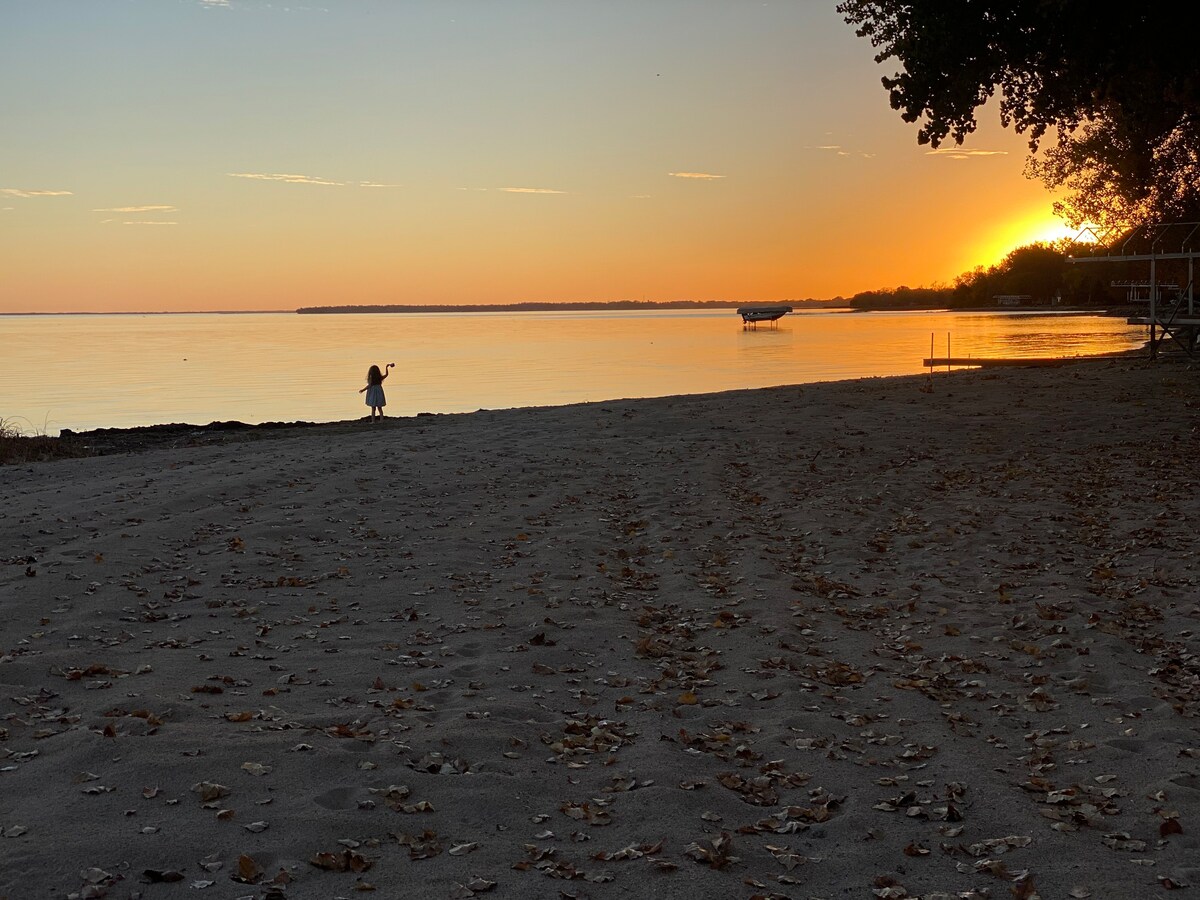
[375, 395]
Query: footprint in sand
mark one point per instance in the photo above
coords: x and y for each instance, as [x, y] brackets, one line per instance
[338, 798]
[1187, 782]
[1128, 745]
[470, 651]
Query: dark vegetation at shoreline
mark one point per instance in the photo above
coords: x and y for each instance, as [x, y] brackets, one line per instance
[1039, 273]
[16, 447]
[547, 306]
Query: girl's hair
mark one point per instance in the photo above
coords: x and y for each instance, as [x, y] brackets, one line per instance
[374, 376]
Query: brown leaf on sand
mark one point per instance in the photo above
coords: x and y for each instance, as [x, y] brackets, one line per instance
[471, 888]
[162, 875]
[394, 795]
[341, 861]
[589, 734]
[425, 845]
[1170, 826]
[150, 718]
[353, 730]
[717, 852]
[633, 851]
[757, 791]
[248, 871]
[787, 857]
[210, 790]
[587, 812]
[90, 671]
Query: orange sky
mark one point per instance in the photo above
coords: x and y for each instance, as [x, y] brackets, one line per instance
[237, 154]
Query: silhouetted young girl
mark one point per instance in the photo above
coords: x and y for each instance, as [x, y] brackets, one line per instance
[374, 390]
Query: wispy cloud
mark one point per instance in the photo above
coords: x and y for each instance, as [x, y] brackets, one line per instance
[522, 190]
[839, 150]
[705, 176]
[228, 4]
[287, 179]
[963, 153]
[376, 184]
[149, 223]
[18, 192]
[133, 209]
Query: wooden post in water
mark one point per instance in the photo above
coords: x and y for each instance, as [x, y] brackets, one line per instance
[928, 389]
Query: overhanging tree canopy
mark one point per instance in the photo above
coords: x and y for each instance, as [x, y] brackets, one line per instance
[1119, 90]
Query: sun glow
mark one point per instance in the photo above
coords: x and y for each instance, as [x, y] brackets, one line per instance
[1038, 228]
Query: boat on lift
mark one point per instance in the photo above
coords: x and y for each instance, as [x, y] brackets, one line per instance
[752, 315]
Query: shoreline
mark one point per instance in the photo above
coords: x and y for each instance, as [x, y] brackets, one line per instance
[931, 637]
[616, 306]
[108, 440]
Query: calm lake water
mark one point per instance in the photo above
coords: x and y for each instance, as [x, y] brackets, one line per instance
[92, 371]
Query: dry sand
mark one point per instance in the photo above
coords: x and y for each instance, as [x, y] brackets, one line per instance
[843, 640]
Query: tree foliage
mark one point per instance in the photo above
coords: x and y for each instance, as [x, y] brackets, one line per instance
[1118, 89]
[1039, 271]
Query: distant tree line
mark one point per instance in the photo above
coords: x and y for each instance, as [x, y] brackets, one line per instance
[550, 306]
[1039, 273]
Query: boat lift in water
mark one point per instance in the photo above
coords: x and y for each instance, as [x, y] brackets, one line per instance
[1172, 312]
[752, 315]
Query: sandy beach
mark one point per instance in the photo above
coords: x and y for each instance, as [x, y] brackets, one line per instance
[887, 638]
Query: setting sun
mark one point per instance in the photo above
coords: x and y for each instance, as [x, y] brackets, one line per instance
[1037, 227]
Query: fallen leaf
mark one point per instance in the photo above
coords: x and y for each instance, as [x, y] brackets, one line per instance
[157, 875]
[1170, 826]
[717, 852]
[210, 790]
[344, 861]
[248, 871]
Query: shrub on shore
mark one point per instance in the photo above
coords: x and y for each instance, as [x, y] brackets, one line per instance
[16, 446]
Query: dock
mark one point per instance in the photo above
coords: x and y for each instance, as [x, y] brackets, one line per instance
[983, 362]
